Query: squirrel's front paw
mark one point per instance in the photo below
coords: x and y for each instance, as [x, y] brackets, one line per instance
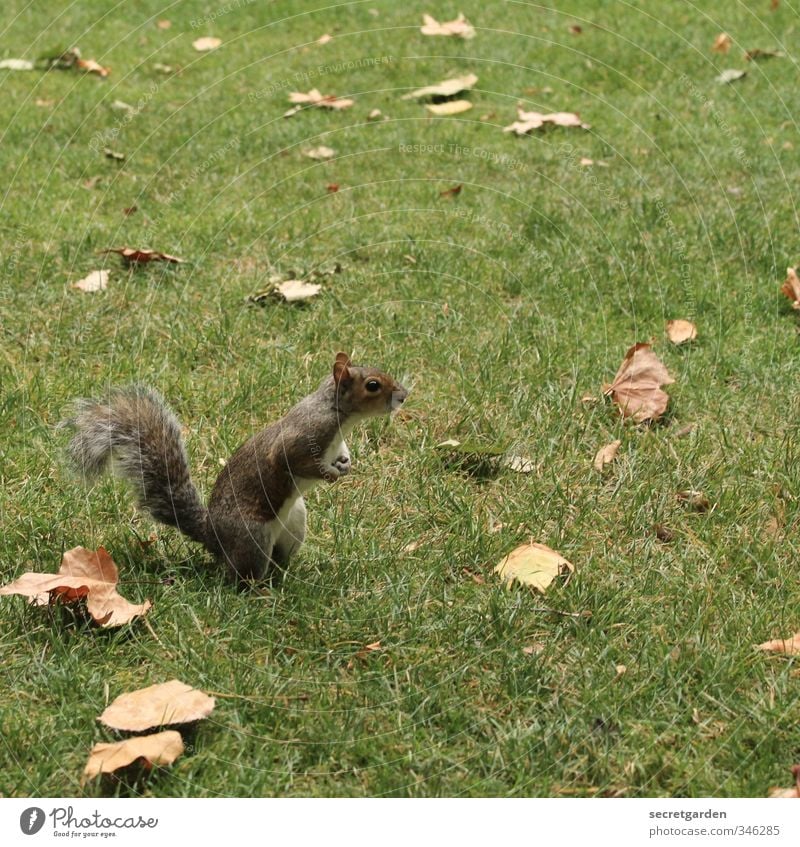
[342, 464]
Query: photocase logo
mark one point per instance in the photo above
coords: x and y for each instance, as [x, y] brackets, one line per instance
[31, 820]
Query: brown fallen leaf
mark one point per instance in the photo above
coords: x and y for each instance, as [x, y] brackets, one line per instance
[134, 256]
[374, 115]
[96, 281]
[527, 121]
[164, 24]
[788, 646]
[332, 187]
[680, 331]
[164, 704]
[520, 464]
[756, 54]
[16, 65]
[207, 43]
[449, 107]
[295, 290]
[162, 748]
[794, 791]
[791, 287]
[321, 101]
[460, 27]
[722, 43]
[324, 38]
[451, 192]
[113, 154]
[447, 88]
[475, 577]
[637, 386]
[694, 499]
[575, 29]
[92, 67]
[83, 574]
[606, 455]
[320, 153]
[533, 564]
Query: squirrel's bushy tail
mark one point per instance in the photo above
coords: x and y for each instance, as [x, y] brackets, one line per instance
[136, 431]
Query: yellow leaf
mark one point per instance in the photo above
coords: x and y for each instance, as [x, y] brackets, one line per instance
[533, 564]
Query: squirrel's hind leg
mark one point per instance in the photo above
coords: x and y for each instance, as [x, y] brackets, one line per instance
[290, 534]
[246, 548]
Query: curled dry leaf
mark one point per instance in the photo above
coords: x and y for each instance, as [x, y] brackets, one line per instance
[164, 704]
[451, 192]
[637, 386]
[460, 27]
[606, 455]
[722, 43]
[788, 646]
[208, 43]
[730, 75]
[447, 88]
[96, 281]
[89, 66]
[133, 256]
[793, 792]
[162, 748]
[680, 331]
[694, 499]
[295, 290]
[791, 287]
[756, 54]
[527, 121]
[320, 153]
[16, 65]
[319, 100]
[533, 564]
[84, 574]
[449, 107]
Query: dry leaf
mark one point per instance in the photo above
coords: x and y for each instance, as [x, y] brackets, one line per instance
[637, 386]
[92, 67]
[16, 65]
[606, 455]
[451, 192]
[533, 564]
[374, 115]
[460, 27]
[207, 43]
[332, 187]
[165, 24]
[791, 287]
[533, 649]
[295, 290]
[679, 331]
[162, 748]
[164, 704]
[788, 646]
[722, 43]
[113, 154]
[449, 107]
[317, 99]
[695, 499]
[755, 55]
[793, 792]
[575, 29]
[620, 670]
[163, 69]
[83, 574]
[730, 75]
[96, 281]
[520, 464]
[320, 153]
[447, 88]
[132, 256]
[527, 121]
[324, 39]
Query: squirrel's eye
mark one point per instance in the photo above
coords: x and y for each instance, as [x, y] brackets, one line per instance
[373, 385]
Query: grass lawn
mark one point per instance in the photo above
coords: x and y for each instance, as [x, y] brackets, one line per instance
[502, 307]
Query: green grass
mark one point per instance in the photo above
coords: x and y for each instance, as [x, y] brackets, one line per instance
[548, 270]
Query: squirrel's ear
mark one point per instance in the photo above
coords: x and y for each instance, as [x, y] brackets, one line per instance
[340, 368]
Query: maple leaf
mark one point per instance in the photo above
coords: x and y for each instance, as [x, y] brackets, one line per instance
[460, 27]
[316, 99]
[680, 331]
[533, 564]
[161, 748]
[164, 704]
[636, 388]
[134, 256]
[447, 88]
[83, 574]
[791, 287]
[527, 121]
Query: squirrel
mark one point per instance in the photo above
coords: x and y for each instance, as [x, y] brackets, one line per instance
[256, 515]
